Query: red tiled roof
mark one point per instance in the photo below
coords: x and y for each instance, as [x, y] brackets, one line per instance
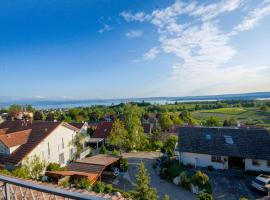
[16, 138]
[40, 130]
[103, 130]
[3, 131]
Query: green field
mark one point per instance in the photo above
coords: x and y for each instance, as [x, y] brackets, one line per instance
[241, 114]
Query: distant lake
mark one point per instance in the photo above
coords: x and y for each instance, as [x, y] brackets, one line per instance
[48, 104]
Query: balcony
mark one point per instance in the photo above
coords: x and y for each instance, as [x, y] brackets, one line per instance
[13, 188]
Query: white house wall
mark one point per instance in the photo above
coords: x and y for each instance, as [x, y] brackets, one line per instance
[261, 167]
[201, 160]
[55, 143]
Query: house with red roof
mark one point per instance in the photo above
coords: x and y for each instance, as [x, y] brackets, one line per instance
[22, 139]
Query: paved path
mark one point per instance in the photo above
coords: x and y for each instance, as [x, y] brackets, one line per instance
[163, 187]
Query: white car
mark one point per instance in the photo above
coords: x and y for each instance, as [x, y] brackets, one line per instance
[262, 183]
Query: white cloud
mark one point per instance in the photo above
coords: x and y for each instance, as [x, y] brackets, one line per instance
[253, 18]
[134, 17]
[134, 33]
[201, 46]
[105, 28]
[151, 54]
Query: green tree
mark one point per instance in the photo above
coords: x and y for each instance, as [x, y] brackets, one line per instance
[205, 196]
[166, 197]
[132, 119]
[165, 121]
[230, 122]
[103, 149]
[143, 190]
[39, 115]
[78, 143]
[14, 108]
[169, 145]
[177, 121]
[118, 135]
[211, 121]
[32, 167]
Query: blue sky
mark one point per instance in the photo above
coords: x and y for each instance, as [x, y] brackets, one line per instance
[85, 49]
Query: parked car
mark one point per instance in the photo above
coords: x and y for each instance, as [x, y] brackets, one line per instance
[262, 183]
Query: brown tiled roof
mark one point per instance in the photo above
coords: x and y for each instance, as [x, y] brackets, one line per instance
[68, 125]
[77, 125]
[103, 130]
[85, 167]
[40, 130]
[16, 138]
[100, 159]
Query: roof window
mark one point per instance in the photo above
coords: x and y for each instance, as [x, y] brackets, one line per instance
[228, 139]
[208, 137]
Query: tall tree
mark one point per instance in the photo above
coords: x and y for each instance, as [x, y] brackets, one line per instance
[132, 118]
[143, 190]
[118, 135]
[165, 121]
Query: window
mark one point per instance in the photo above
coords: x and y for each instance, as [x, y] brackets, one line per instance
[49, 151]
[255, 162]
[268, 163]
[62, 158]
[216, 159]
[63, 144]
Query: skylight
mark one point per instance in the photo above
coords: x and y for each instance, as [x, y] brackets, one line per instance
[228, 139]
[208, 137]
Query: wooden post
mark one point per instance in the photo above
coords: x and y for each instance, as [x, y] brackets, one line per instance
[7, 192]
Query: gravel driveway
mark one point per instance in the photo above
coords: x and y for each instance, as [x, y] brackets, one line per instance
[163, 187]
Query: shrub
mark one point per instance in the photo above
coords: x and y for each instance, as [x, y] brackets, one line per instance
[200, 179]
[103, 150]
[21, 172]
[205, 196]
[243, 198]
[99, 187]
[115, 152]
[55, 167]
[65, 183]
[82, 183]
[109, 188]
[210, 168]
[170, 169]
[166, 197]
[185, 181]
[123, 164]
[5, 172]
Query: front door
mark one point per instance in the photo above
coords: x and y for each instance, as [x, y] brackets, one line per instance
[236, 163]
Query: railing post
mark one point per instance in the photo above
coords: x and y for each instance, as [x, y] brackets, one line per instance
[7, 192]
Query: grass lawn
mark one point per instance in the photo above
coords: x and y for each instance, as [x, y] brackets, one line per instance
[241, 114]
[231, 111]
